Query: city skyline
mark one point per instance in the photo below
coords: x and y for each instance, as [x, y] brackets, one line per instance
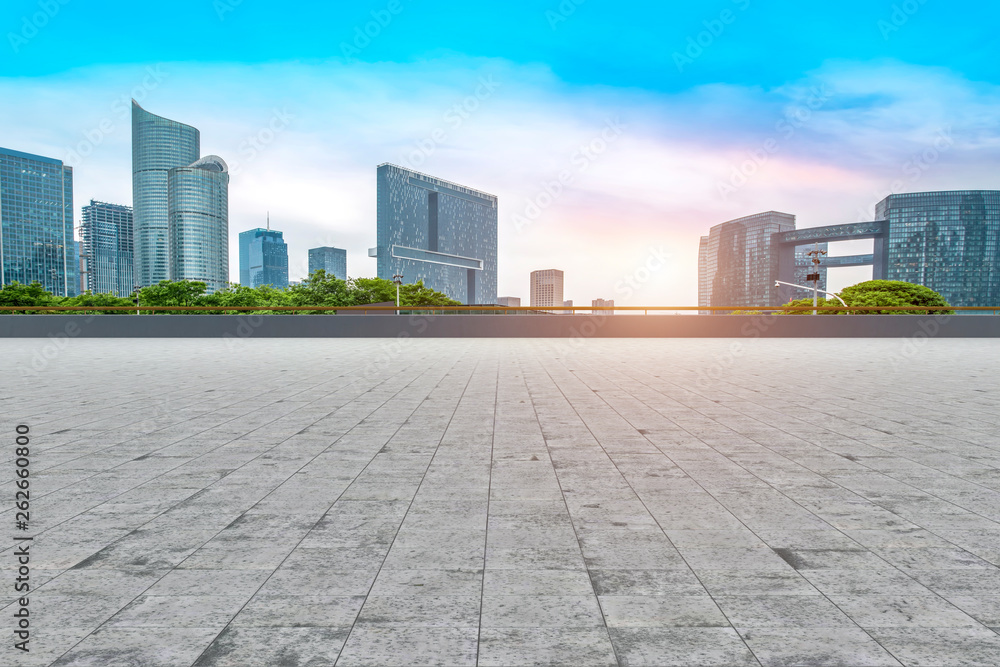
[824, 132]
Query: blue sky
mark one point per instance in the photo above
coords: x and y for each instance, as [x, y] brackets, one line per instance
[724, 108]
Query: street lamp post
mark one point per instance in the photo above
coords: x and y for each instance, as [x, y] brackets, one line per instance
[137, 288]
[398, 279]
[816, 289]
[816, 253]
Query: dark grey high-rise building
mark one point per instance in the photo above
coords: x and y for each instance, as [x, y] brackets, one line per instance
[442, 233]
[948, 241]
[107, 246]
[331, 260]
[158, 145]
[735, 267]
[36, 222]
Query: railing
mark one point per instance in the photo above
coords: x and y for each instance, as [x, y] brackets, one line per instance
[488, 310]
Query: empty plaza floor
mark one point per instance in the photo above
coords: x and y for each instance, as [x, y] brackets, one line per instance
[688, 502]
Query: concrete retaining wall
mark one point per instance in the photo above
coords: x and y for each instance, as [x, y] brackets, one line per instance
[498, 326]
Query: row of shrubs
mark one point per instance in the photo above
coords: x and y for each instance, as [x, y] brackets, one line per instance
[320, 289]
[873, 294]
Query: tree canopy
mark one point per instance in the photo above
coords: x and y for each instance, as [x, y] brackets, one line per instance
[319, 289]
[874, 293]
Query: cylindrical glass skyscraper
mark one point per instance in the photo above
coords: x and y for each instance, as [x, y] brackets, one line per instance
[158, 145]
[198, 230]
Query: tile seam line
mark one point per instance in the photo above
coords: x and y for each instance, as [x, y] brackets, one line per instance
[579, 545]
[103, 623]
[873, 638]
[416, 491]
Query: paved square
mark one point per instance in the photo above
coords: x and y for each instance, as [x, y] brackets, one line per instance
[506, 502]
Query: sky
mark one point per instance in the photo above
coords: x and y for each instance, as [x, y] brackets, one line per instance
[615, 134]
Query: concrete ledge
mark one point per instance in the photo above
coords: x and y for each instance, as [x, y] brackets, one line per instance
[499, 326]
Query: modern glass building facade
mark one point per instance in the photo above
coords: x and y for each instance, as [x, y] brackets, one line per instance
[331, 260]
[263, 258]
[158, 145]
[439, 232]
[198, 222]
[734, 263]
[36, 222]
[107, 248]
[948, 241]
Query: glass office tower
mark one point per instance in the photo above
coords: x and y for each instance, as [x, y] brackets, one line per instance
[734, 262]
[948, 241]
[106, 231]
[436, 231]
[331, 260]
[263, 258]
[36, 222]
[198, 222]
[158, 145]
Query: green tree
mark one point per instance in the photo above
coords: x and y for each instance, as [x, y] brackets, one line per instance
[92, 301]
[16, 294]
[172, 293]
[874, 293]
[320, 289]
[264, 298]
[895, 293]
[418, 295]
[372, 290]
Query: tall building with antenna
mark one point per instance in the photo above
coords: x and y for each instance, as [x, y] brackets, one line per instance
[263, 257]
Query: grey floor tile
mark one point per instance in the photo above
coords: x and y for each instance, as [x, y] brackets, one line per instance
[819, 647]
[680, 647]
[941, 647]
[128, 647]
[241, 647]
[392, 646]
[541, 611]
[558, 647]
[654, 611]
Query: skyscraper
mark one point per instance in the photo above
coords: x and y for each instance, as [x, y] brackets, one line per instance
[734, 262]
[546, 288]
[198, 222]
[36, 222]
[263, 258]
[158, 145]
[442, 233]
[948, 241]
[331, 260]
[107, 248]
